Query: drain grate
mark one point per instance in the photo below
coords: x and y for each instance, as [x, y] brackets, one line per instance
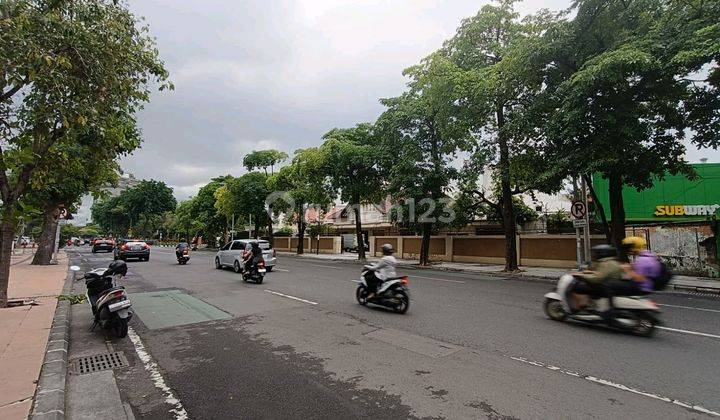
[98, 362]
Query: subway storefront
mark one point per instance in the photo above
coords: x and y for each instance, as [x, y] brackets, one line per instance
[672, 199]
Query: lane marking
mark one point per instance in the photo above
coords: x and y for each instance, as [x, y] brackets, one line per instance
[326, 266]
[292, 297]
[159, 382]
[689, 332]
[281, 269]
[438, 279]
[621, 387]
[690, 307]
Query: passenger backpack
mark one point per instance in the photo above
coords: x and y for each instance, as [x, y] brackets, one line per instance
[661, 281]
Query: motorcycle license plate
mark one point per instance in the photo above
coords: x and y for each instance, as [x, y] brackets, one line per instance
[262, 270]
[119, 305]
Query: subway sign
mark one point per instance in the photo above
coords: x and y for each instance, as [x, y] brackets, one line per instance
[683, 210]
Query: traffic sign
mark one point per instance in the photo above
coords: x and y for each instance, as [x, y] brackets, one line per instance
[579, 223]
[578, 209]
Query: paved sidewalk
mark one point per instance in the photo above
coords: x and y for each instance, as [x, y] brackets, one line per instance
[24, 331]
[679, 282]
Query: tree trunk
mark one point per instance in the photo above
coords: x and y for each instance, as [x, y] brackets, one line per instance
[600, 209]
[46, 241]
[301, 231]
[358, 231]
[617, 212]
[425, 244]
[257, 228]
[506, 204]
[7, 229]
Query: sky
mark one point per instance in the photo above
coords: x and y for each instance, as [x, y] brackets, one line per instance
[260, 74]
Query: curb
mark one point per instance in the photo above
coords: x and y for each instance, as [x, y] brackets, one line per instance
[50, 393]
[671, 288]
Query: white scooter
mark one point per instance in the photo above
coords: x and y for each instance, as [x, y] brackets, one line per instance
[393, 293]
[635, 314]
[109, 303]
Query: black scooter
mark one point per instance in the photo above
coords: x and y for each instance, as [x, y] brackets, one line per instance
[183, 255]
[109, 303]
[257, 271]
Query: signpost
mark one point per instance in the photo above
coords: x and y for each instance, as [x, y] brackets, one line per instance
[578, 210]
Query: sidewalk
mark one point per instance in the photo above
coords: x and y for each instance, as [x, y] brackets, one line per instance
[700, 284]
[24, 331]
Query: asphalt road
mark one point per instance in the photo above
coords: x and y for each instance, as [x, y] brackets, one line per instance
[299, 346]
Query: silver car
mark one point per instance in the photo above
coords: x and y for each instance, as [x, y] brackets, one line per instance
[231, 254]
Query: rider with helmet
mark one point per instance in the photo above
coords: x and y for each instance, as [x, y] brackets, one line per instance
[381, 270]
[607, 271]
[644, 269]
[180, 247]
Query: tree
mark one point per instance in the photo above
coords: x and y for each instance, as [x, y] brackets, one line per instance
[299, 185]
[630, 92]
[420, 132]
[63, 66]
[502, 84]
[352, 159]
[185, 223]
[211, 223]
[263, 159]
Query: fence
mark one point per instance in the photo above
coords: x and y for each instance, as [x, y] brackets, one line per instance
[328, 244]
[532, 250]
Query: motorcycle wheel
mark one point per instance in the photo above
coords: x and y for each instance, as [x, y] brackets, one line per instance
[236, 267]
[259, 280]
[404, 303]
[554, 310]
[645, 326]
[361, 295]
[119, 327]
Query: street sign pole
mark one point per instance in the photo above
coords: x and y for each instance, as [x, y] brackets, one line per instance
[586, 229]
[578, 210]
[578, 248]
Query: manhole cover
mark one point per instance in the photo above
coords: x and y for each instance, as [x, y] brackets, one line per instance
[98, 362]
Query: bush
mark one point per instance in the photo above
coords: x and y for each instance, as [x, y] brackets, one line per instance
[284, 231]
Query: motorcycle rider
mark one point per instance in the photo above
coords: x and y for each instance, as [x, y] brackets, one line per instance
[381, 270]
[180, 247]
[252, 255]
[644, 268]
[596, 283]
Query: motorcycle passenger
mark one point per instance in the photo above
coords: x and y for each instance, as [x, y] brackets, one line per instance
[252, 255]
[381, 271]
[608, 270]
[644, 268]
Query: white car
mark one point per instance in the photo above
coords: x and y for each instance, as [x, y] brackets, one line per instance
[231, 254]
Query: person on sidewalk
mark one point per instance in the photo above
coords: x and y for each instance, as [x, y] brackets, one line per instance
[645, 267]
[381, 270]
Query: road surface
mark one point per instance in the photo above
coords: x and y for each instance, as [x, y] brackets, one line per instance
[205, 345]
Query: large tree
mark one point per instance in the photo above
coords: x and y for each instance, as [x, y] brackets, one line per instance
[264, 159]
[64, 65]
[211, 223]
[627, 78]
[353, 165]
[300, 185]
[244, 197]
[501, 87]
[421, 133]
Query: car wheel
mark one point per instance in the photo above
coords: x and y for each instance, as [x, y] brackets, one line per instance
[147, 258]
[217, 263]
[270, 268]
[236, 266]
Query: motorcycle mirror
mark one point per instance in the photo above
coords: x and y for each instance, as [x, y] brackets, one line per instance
[74, 268]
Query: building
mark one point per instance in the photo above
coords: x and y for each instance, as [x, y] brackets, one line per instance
[83, 215]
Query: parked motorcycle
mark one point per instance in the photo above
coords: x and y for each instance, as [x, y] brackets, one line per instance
[183, 256]
[634, 314]
[393, 293]
[110, 304]
[256, 272]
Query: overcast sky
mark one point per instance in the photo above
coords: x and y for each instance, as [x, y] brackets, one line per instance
[279, 74]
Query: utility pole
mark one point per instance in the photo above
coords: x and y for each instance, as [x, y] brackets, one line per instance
[588, 259]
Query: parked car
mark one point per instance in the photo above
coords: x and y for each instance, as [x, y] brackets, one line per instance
[103, 245]
[349, 243]
[231, 254]
[131, 248]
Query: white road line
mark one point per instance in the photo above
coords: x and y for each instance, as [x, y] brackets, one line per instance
[435, 278]
[617, 386]
[291, 297]
[689, 332]
[326, 266]
[152, 368]
[281, 269]
[690, 307]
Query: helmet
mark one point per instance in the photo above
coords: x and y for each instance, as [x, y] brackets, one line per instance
[603, 251]
[388, 249]
[634, 244]
[118, 267]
